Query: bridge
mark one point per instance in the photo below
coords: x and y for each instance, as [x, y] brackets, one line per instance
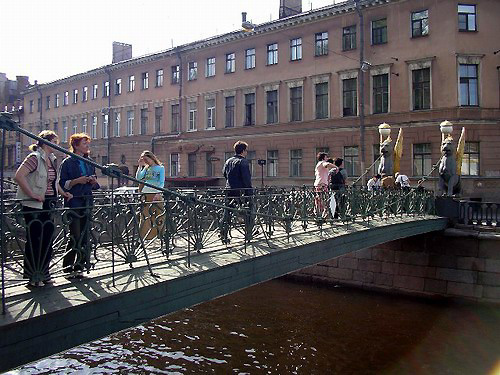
[149, 259]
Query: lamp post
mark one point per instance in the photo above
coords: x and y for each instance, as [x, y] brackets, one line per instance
[446, 129]
[384, 130]
[262, 163]
[363, 67]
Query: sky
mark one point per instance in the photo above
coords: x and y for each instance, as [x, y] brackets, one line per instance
[52, 39]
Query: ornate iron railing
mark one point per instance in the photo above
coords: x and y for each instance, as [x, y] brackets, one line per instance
[120, 229]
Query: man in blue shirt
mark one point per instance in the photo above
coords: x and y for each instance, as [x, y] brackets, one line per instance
[78, 178]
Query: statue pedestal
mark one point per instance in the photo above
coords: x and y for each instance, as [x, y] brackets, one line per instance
[447, 207]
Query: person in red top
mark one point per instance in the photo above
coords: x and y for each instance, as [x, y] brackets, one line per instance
[37, 190]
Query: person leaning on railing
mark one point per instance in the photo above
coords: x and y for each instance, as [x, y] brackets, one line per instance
[152, 172]
[321, 173]
[37, 188]
[78, 178]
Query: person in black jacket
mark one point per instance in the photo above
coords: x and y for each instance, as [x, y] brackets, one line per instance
[78, 178]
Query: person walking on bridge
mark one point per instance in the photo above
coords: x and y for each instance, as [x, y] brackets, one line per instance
[78, 178]
[323, 167]
[37, 189]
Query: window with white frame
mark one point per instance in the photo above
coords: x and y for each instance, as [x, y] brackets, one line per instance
[130, 122]
[272, 54]
[93, 129]
[105, 89]
[272, 106]
[95, 91]
[56, 127]
[380, 88]
[116, 129]
[422, 162]
[210, 67]
[467, 17]
[210, 113]
[419, 23]
[145, 80]
[192, 111]
[272, 163]
[66, 98]
[174, 164]
[350, 97]
[85, 94]
[296, 163]
[118, 86]
[175, 118]
[75, 96]
[250, 58]
[192, 70]
[31, 106]
[176, 74]
[47, 102]
[74, 125]
[249, 109]
[65, 131]
[56, 101]
[251, 157]
[159, 77]
[105, 126]
[296, 49]
[158, 119]
[321, 43]
[131, 83]
[421, 88]
[230, 62]
[84, 124]
[470, 161]
[296, 103]
[192, 164]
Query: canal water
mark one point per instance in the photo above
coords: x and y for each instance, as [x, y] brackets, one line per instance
[288, 327]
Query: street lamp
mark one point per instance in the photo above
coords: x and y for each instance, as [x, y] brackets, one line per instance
[446, 129]
[384, 130]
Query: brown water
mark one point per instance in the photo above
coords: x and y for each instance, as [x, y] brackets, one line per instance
[284, 327]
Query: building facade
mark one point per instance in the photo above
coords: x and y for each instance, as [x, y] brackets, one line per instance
[292, 87]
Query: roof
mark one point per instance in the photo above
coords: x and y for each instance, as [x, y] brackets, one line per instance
[347, 6]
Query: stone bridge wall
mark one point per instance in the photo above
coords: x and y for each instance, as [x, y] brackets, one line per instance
[461, 263]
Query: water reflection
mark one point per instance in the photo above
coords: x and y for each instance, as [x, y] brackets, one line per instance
[284, 327]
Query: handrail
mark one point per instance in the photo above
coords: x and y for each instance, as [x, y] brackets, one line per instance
[366, 171]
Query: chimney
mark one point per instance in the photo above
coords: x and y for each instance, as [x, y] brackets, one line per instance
[121, 52]
[243, 16]
[290, 8]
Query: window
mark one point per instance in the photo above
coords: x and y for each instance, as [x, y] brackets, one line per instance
[250, 58]
[192, 116]
[193, 70]
[381, 93]
[272, 106]
[419, 23]
[175, 113]
[470, 162]
[84, 125]
[118, 86]
[422, 163]
[272, 54]
[210, 112]
[230, 63]
[251, 161]
[209, 163]
[191, 164]
[468, 85]
[321, 44]
[65, 131]
[56, 127]
[350, 97]
[145, 80]
[39, 105]
[296, 163]
[116, 129]
[105, 89]
[272, 163]
[376, 154]
[75, 96]
[210, 67]
[229, 106]
[351, 162]
[95, 90]
[130, 122]
[421, 87]
[93, 129]
[131, 83]
[56, 101]
[296, 49]
[159, 76]
[349, 38]
[158, 119]
[174, 165]
[296, 103]
[321, 100]
[176, 74]
[47, 102]
[31, 106]
[144, 121]
[379, 31]
[66, 98]
[74, 125]
[105, 126]
[249, 109]
[227, 155]
[466, 17]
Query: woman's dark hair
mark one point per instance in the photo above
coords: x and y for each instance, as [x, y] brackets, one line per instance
[330, 161]
[338, 162]
[48, 135]
[239, 147]
[321, 156]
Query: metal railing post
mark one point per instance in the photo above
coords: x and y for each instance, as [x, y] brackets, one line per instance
[2, 236]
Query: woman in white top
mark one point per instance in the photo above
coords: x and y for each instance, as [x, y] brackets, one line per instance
[321, 182]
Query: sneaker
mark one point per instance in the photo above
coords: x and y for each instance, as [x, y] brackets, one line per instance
[48, 282]
[79, 275]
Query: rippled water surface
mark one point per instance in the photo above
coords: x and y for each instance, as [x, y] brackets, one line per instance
[284, 327]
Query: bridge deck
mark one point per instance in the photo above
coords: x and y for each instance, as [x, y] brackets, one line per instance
[72, 312]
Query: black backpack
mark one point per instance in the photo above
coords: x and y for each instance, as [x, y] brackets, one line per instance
[337, 179]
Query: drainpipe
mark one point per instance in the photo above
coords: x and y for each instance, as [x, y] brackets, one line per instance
[41, 103]
[361, 88]
[108, 152]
